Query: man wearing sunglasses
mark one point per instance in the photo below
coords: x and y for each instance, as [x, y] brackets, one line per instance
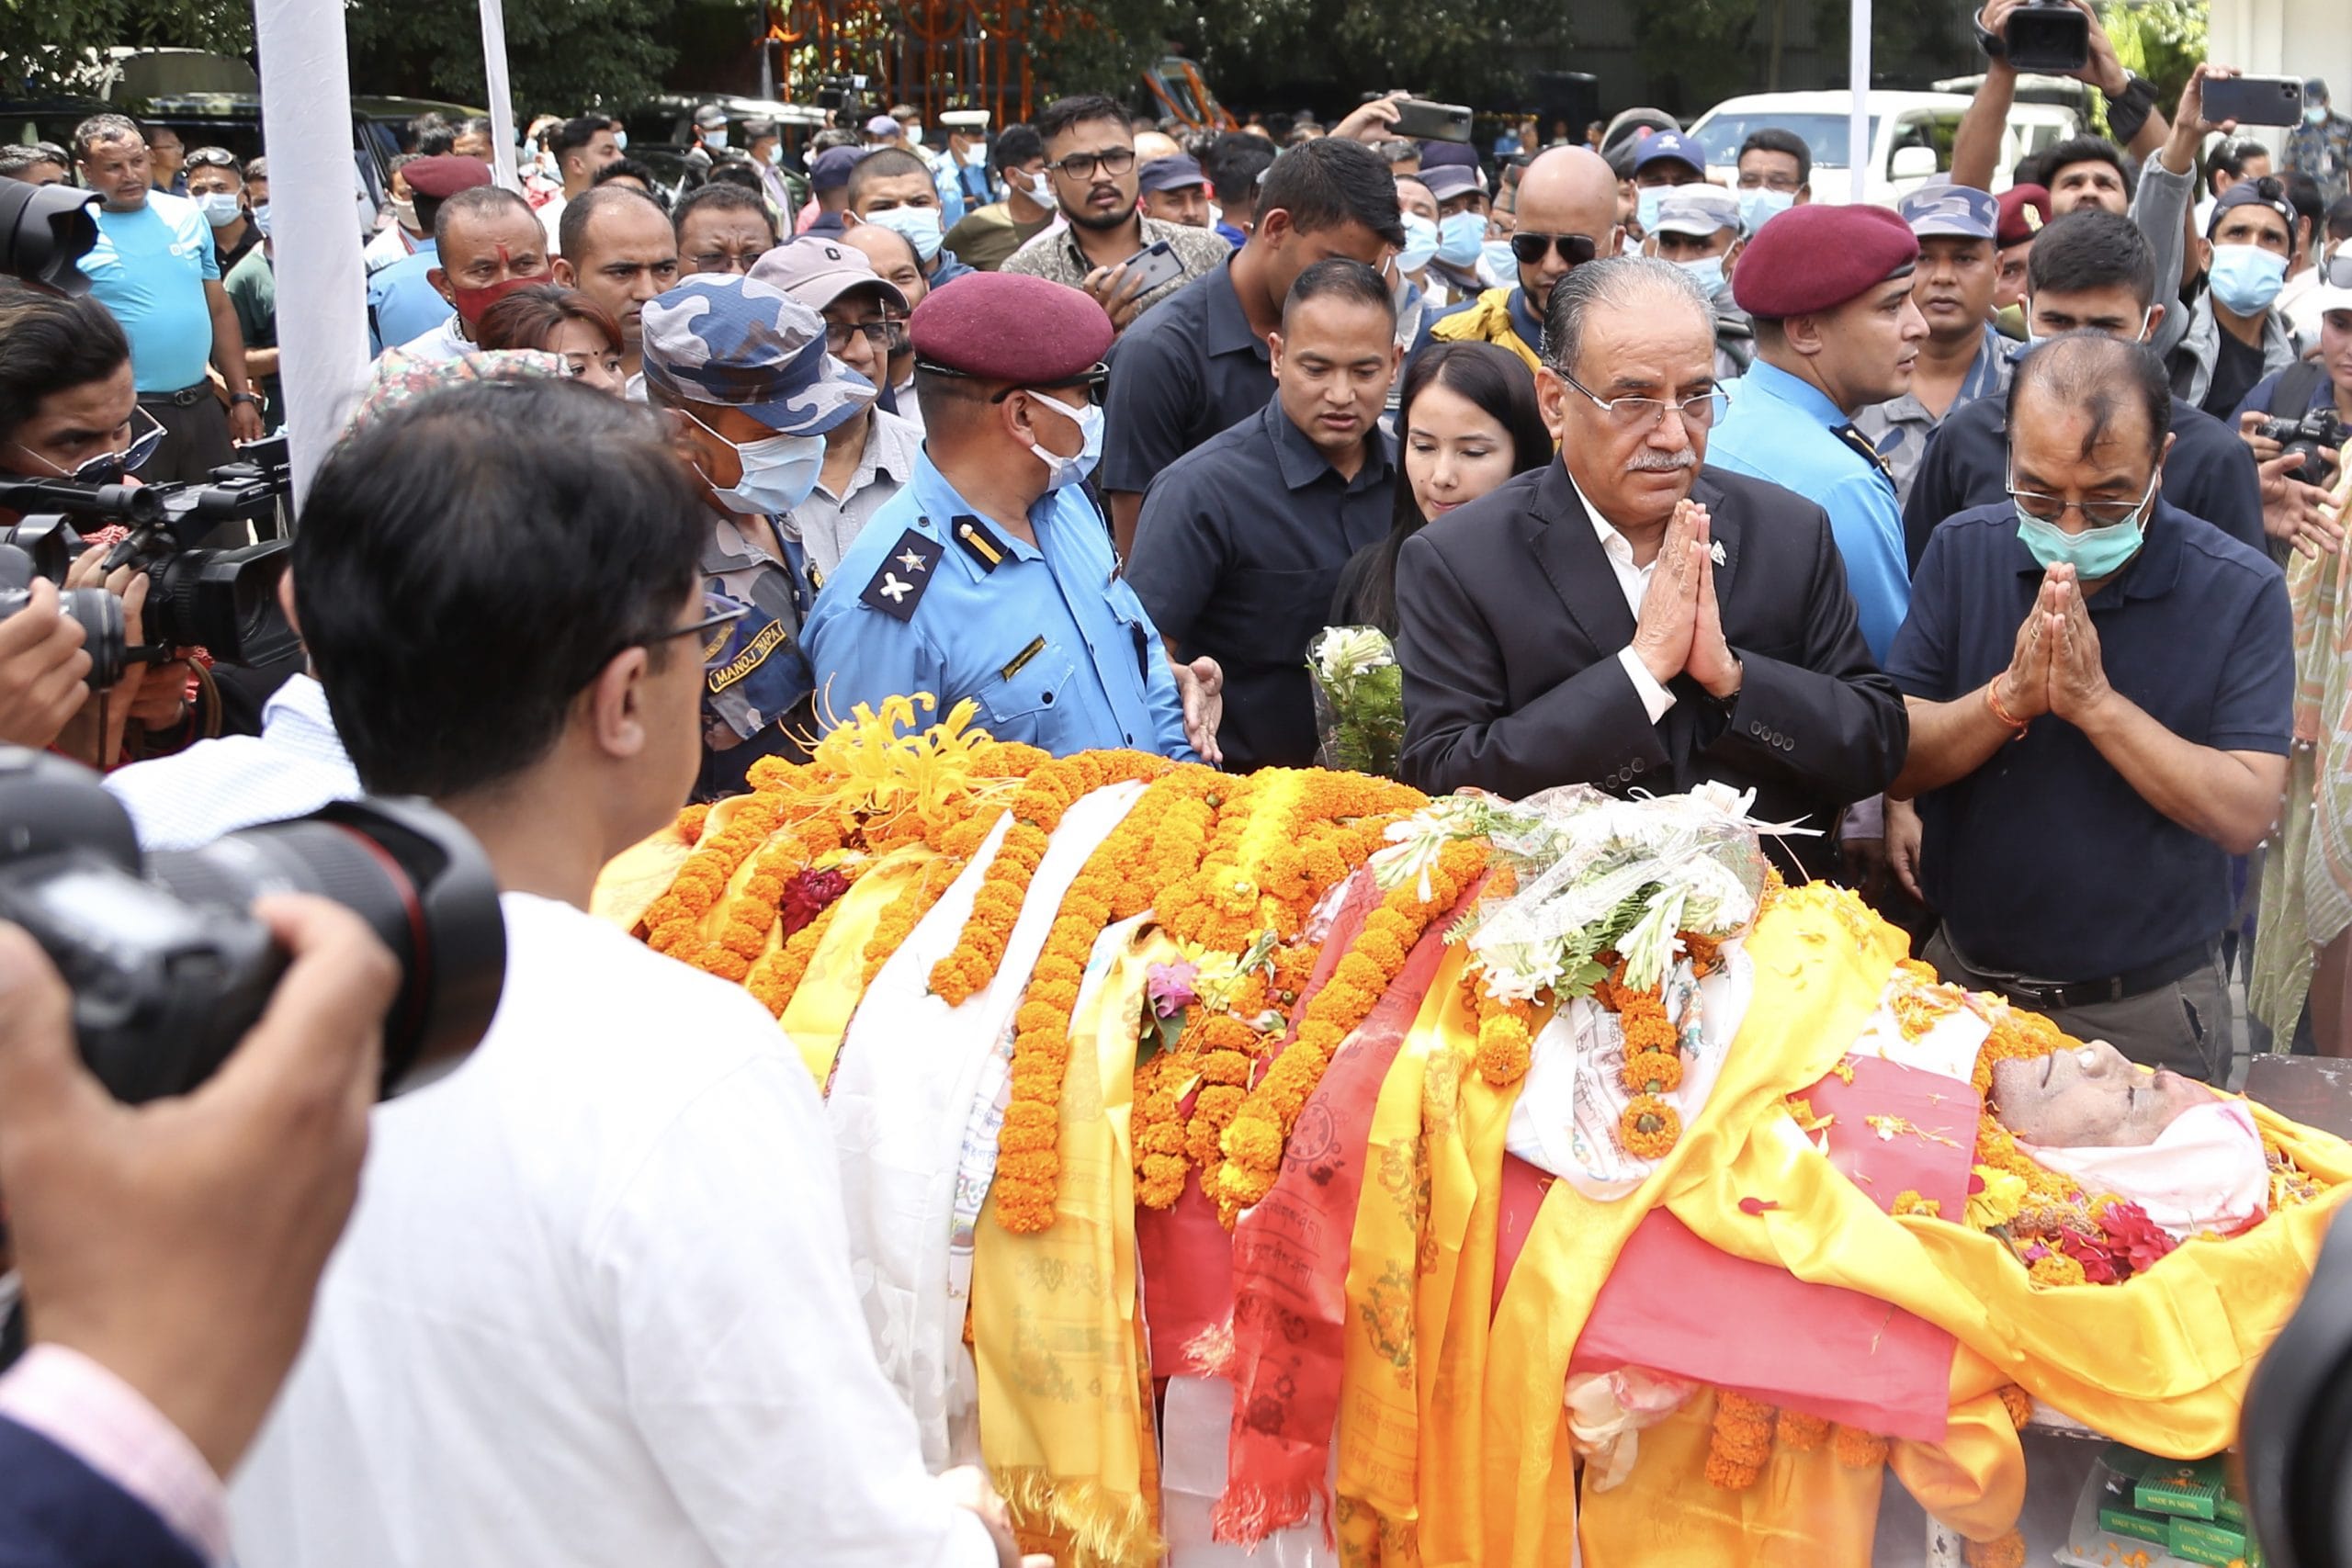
[989, 577]
[1566, 217]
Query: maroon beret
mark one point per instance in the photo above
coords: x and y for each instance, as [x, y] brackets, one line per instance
[1815, 257]
[2025, 209]
[1008, 326]
[445, 176]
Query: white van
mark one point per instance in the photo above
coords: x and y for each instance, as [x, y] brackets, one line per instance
[1910, 137]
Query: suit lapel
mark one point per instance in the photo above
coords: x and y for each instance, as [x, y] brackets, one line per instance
[1726, 525]
[1560, 536]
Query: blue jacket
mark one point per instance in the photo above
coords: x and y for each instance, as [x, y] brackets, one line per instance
[56, 1512]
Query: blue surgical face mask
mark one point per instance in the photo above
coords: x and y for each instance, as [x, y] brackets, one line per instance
[1460, 237]
[2094, 553]
[1761, 205]
[620, 139]
[919, 225]
[715, 139]
[1420, 244]
[1063, 472]
[778, 472]
[221, 208]
[1499, 263]
[1646, 204]
[1707, 272]
[2316, 114]
[261, 219]
[2246, 277]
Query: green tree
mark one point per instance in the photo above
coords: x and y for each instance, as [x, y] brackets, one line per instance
[561, 55]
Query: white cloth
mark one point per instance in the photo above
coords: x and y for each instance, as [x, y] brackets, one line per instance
[910, 407]
[914, 1087]
[445, 342]
[550, 218]
[594, 1306]
[296, 766]
[390, 245]
[1633, 581]
[2207, 1171]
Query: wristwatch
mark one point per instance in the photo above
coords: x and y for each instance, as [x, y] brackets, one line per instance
[245, 398]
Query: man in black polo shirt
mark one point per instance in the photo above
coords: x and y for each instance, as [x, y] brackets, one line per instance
[2089, 271]
[1197, 364]
[2100, 690]
[1242, 540]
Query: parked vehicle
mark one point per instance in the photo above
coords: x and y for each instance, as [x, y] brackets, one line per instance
[1909, 137]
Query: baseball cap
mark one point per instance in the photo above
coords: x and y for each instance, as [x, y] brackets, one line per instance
[817, 271]
[1179, 172]
[829, 169]
[1697, 210]
[1448, 180]
[881, 125]
[1961, 211]
[743, 343]
[2263, 192]
[710, 117]
[1663, 144]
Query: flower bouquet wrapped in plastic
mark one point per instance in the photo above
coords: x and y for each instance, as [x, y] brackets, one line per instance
[1358, 700]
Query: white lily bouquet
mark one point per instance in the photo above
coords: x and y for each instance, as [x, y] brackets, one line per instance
[1358, 700]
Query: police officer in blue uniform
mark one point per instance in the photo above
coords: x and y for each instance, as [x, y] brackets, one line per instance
[743, 368]
[991, 576]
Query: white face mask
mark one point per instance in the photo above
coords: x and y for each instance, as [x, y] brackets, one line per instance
[1063, 472]
[914, 136]
[620, 139]
[715, 139]
[221, 208]
[1037, 187]
[976, 156]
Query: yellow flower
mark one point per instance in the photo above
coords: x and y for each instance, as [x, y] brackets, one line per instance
[1997, 1204]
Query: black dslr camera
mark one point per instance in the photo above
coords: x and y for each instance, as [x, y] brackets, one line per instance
[224, 601]
[2047, 36]
[2316, 434]
[168, 966]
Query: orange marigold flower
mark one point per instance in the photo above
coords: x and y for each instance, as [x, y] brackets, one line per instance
[1649, 1127]
[1652, 1072]
[2008, 1551]
[1801, 1432]
[2019, 1403]
[1859, 1450]
[2055, 1270]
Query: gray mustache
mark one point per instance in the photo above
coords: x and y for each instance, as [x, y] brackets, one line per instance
[1654, 462]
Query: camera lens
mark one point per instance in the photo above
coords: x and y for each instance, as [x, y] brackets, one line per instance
[222, 600]
[98, 612]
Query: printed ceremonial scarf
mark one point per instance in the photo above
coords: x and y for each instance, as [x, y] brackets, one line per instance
[1065, 1392]
[1290, 1260]
[817, 1016]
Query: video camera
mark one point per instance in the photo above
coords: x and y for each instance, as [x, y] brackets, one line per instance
[834, 92]
[2048, 36]
[45, 230]
[2318, 432]
[168, 966]
[224, 601]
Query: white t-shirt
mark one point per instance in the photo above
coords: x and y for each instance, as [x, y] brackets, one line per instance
[444, 341]
[594, 1306]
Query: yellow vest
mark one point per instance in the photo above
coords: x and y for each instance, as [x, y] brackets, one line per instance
[1486, 320]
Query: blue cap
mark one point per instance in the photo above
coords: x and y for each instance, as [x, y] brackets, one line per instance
[1448, 180]
[1673, 144]
[744, 344]
[830, 170]
[1961, 211]
[1178, 173]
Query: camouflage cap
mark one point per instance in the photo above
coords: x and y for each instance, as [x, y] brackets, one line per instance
[743, 343]
[1947, 208]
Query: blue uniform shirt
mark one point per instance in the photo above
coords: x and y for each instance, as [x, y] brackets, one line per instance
[2045, 862]
[401, 306]
[1784, 429]
[149, 268]
[1049, 642]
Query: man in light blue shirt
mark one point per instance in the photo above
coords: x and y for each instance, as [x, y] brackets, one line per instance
[1829, 288]
[991, 576]
[402, 304]
[154, 268]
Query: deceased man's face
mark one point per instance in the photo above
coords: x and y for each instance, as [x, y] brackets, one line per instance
[2090, 1098]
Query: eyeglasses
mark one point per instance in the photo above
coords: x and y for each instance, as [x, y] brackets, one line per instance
[1699, 412]
[1774, 181]
[2096, 514]
[719, 262]
[1529, 247]
[878, 335]
[1116, 161]
[108, 468]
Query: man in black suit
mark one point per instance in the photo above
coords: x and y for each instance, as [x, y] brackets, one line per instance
[1708, 633]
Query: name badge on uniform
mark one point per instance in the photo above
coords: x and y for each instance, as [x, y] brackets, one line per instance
[904, 577]
[1020, 660]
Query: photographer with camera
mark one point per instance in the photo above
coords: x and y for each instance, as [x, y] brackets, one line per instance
[169, 1253]
[595, 1307]
[2306, 408]
[68, 410]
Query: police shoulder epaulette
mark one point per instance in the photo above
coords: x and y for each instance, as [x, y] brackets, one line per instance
[974, 537]
[905, 575]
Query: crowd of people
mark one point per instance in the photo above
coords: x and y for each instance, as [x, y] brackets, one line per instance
[1994, 540]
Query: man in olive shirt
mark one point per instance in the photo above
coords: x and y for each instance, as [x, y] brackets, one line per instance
[1242, 540]
[987, 236]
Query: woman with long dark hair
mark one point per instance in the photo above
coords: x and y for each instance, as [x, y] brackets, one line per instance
[1465, 422]
[561, 321]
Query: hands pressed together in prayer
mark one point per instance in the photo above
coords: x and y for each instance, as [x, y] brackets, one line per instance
[2055, 667]
[1680, 630]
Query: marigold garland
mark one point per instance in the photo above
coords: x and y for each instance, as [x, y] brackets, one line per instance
[1741, 1443]
[904, 912]
[1254, 1139]
[2019, 1403]
[1858, 1450]
[1649, 1127]
[1652, 1072]
[1506, 1039]
[2005, 1551]
[1160, 1164]
[1800, 1433]
[773, 979]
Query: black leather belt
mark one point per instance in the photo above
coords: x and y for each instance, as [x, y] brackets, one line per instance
[185, 398]
[2055, 994]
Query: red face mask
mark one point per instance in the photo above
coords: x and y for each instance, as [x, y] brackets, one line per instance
[473, 303]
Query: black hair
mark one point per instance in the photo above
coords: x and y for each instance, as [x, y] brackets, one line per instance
[739, 173]
[480, 201]
[474, 125]
[725, 196]
[1772, 138]
[2229, 157]
[883, 163]
[1337, 277]
[2310, 203]
[1502, 387]
[106, 128]
[16, 157]
[431, 134]
[1078, 109]
[2101, 376]
[52, 343]
[1015, 145]
[576, 134]
[827, 139]
[2091, 249]
[2339, 219]
[1330, 182]
[1234, 162]
[628, 169]
[447, 670]
[571, 228]
[2087, 149]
